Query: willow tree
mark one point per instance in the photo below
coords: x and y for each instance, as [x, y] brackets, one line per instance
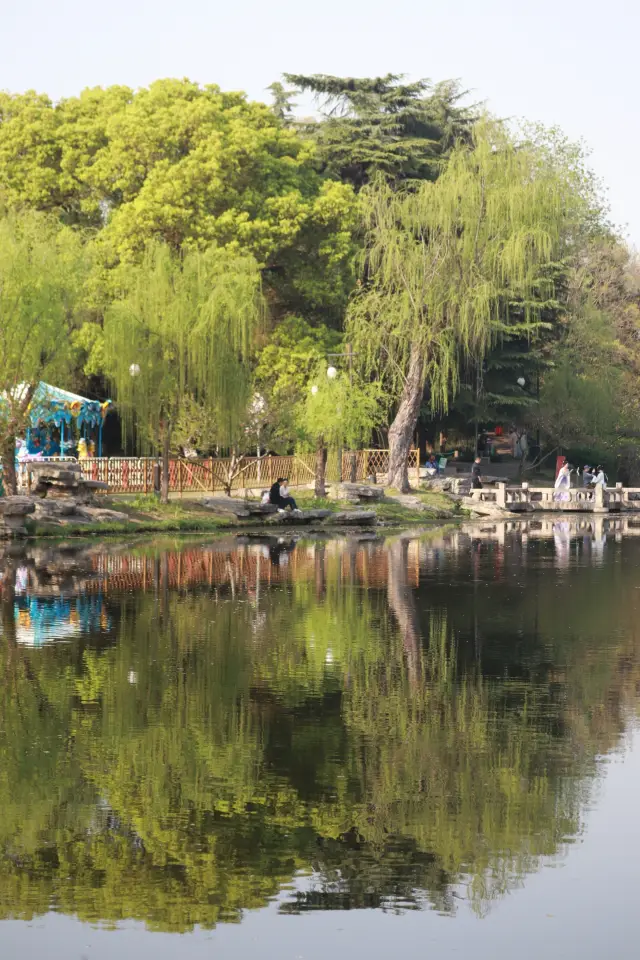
[444, 261]
[42, 271]
[179, 333]
[339, 410]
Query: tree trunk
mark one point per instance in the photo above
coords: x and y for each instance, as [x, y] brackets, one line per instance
[321, 463]
[353, 467]
[402, 428]
[402, 602]
[7, 602]
[164, 483]
[9, 478]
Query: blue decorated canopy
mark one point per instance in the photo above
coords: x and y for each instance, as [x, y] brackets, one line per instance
[51, 405]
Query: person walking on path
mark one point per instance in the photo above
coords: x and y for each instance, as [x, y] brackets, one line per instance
[476, 482]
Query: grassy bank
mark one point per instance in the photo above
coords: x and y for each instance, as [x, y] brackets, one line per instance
[145, 514]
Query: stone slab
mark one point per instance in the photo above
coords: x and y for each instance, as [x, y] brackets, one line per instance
[353, 518]
[16, 506]
[54, 469]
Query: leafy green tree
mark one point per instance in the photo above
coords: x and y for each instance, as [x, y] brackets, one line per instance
[43, 268]
[285, 367]
[182, 331]
[443, 263]
[340, 410]
[589, 397]
[184, 164]
[383, 125]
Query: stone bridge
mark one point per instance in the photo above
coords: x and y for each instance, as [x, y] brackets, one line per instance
[503, 498]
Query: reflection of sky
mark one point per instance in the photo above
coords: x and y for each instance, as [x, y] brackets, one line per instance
[586, 907]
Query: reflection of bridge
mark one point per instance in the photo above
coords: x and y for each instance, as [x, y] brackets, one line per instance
[544, 527]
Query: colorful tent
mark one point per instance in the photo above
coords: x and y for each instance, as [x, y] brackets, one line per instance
[61, 408]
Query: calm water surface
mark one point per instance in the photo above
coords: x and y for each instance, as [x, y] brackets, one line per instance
[424, 747]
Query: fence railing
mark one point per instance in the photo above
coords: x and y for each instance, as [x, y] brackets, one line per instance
[213, 474]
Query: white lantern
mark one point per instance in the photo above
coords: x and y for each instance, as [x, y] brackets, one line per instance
[314, 389]
[134, 369]
[521, 381]
[332, 373]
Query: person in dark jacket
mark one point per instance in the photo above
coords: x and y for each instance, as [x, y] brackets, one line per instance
[475, 474]
[276, 498]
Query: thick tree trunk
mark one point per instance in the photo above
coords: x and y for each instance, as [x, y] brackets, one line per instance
[7, 603]
[321, 463]
[353, 467]
[9, 478]
[402, 428]
[166, 443]
[402, 602]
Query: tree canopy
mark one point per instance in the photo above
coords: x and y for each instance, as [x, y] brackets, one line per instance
[384, 125]
[181, 331]
[182, 163]
[445, 261]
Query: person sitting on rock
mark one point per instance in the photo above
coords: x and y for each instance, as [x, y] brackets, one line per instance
[279, 495]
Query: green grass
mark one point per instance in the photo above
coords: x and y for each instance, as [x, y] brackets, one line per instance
[147, 515]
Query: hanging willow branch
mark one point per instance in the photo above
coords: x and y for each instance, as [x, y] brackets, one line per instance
[443, 262]
[183, 326]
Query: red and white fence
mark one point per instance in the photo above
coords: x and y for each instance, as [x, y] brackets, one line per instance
[214, 474]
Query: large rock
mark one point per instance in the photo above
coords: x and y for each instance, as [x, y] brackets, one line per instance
[16, 506]
[59, 507]
[55, 471]
[297, 517]
[241, 509]
[13, 513]
[357, 492]
[361, 518]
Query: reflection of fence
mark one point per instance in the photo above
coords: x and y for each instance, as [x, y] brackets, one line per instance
[243, 567]
[135, 474]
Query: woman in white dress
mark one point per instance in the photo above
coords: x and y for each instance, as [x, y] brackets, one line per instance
[563, 483]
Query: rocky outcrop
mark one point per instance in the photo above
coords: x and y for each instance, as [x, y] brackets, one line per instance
[55, 480]
[13, 514]
[63, 510]
[298, 517]
[360, 518]
[357, 492]
[241, 509]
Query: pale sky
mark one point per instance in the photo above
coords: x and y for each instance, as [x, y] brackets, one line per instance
[565, 62]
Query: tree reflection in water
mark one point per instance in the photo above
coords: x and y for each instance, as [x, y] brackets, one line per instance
[406, 723]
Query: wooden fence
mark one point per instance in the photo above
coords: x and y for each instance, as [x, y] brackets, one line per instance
[210, 475]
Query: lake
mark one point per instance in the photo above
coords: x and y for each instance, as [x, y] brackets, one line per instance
[299, 749]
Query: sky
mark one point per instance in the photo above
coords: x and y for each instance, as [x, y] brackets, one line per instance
[570, 63]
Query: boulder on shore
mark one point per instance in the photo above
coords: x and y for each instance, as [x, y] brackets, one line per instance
[354, 518]
[357, 492]
[241, 509]
[13, 513]
[297, 517]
